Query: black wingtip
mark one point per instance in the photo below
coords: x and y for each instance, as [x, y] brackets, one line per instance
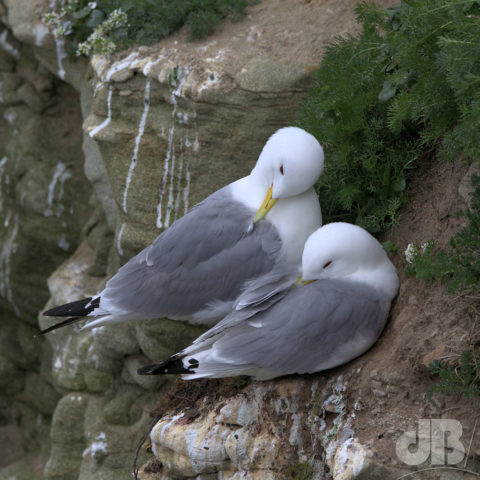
[66, 322]
[74, 309]
[174, 365]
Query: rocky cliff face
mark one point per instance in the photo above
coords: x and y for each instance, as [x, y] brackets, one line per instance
[96, 159]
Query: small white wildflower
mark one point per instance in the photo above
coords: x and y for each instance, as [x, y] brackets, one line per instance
[92, 5]
[410, 252]
[59, 32]
[51, 19]
[98, 42]
[83, 48]
[116, 19]
[425, 246]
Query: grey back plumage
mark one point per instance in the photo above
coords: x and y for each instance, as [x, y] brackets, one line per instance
[173, 276]
[314, 327]
[258, 295]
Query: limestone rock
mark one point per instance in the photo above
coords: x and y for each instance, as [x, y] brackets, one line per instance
[163, 127]
[42, 206]
[248, 434]
[354, 461]
[267, 430]
[24, 16]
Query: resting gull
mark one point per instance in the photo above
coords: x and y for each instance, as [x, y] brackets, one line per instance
[196, 269]
[282, 325]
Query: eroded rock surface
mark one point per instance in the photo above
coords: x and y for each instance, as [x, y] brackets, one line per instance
[96, 159]
[44, 202]
[290, 428]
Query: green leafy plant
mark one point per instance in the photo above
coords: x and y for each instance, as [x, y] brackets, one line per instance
[462, 378]
[406, 88]
[300, 471]
[105, 26]
[459, 265]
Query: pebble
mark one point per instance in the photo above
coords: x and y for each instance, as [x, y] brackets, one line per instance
[392, 389]
[393, 378]
[376, 384]
[378, 393]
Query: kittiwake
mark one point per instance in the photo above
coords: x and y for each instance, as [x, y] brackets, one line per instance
[196, 269]
[282, 324]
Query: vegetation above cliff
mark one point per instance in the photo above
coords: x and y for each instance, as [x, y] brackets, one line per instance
[105, 26]
[406, 88]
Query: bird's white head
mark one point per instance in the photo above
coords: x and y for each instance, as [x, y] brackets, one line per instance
[342, 250]
[291, 162]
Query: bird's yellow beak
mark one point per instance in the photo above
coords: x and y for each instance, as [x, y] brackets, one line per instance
[301, 282]
[266, 206]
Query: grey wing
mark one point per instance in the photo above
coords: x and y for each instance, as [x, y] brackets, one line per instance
[260, 289]
[315, 327]
[257, 295]
[204, 257]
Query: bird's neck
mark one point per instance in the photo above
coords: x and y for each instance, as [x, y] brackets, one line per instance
[250, 191]
[384, 278]
[295, 218]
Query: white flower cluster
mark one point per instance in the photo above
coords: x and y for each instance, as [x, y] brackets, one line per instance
[412, 251]
[54, 22]
[98, 42]
[61, 25]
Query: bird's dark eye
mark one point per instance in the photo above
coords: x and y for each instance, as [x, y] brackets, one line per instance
[281, 169]
[327, 264]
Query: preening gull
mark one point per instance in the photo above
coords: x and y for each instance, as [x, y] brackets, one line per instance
[196, 269]
[282, 324]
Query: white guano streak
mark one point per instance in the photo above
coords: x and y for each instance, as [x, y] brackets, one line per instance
[61, 55]
[170, 155]
[61, 173]
[164, 430]
[141, 128]
[60, 47]
[121, 65]
[3, 162]
[119, 240]
[40, 31]
[179, 176]
[97, 129]
[186, 192]
[7, 47]
[5, 257]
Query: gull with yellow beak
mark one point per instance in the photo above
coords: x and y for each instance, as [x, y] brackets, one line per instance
[196, 269]
[280, 326]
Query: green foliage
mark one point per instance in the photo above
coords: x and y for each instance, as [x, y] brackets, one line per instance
[407, 86]
[458, 266]
[462, 378]
[390, 247]
[300, 471]
[91, 28]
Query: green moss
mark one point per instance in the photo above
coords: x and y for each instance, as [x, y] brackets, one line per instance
[300, 471]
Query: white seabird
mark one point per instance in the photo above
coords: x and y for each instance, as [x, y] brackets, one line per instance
[196, 269]
[281, 326]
